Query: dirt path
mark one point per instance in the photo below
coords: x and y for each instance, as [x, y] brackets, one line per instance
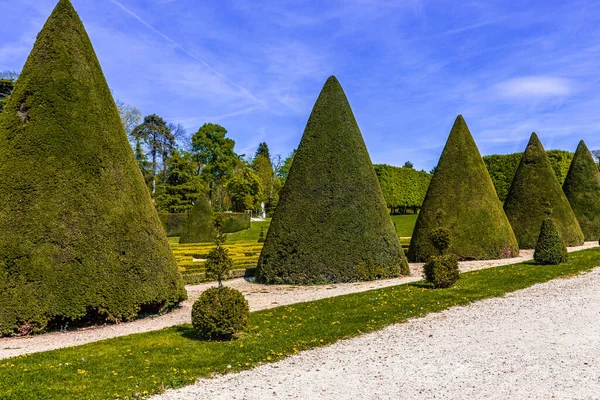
[259, 296]
[542, 342]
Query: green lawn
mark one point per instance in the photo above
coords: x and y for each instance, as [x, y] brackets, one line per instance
[405, 224]
[136, 365]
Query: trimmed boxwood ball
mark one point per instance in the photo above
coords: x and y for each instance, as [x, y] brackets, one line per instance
[550, 248]
[199, 226]
[534, 189]
[582, 188]
[79, 233]
[441, 271]
[462, 198]
[331, 223]
[220, 312]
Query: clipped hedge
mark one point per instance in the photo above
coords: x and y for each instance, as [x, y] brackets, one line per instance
[199, 225]
[80, 235]
[235, 222]
[220, 312]
[582, 188]
[461, 198]
[535, 190]
[331, 223]
[173, 223]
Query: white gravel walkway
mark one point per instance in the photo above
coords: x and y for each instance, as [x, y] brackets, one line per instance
[540, 343]
[259, 296]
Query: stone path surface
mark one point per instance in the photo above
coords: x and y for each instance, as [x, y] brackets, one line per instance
[259, 296]
[542, 342]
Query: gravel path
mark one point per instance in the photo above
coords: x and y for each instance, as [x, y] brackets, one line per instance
[542, 343]
[259, 296]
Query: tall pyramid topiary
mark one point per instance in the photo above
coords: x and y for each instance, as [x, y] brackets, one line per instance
[462, 199]
[79, 235]
[582, 188]
[331, 223]
[199, 225]
[534, 192]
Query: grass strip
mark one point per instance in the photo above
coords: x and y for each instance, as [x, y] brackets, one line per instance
[139, 365]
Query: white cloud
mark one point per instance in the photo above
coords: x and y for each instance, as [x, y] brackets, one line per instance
[534, 86]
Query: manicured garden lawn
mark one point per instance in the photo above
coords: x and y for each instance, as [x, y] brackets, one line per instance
[141, 364]
[405, 224]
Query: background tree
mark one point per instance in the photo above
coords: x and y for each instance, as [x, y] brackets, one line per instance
[7, 83]
[261, 164]
[155, 135]
[181, 187]
[408, 164]
[402, 188]
[245, 189]
[215, 158]
[131, 117]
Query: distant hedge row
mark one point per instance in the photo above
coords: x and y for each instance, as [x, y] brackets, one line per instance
[402, 188]
[233, 222]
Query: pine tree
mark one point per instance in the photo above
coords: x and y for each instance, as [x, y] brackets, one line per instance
[582, 188]
[331, 223]
[462, 199]
[534, 190]
[80, 235]
[550, 248]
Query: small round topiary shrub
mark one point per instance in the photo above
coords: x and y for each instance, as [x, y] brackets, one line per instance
[550, 248]
[220, 312]
[442, 271]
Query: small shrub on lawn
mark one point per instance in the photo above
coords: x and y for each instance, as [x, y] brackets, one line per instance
[261, 237]
[550, 248]
[220, 312]
[218, 263]
[440, 238]
[442, 271]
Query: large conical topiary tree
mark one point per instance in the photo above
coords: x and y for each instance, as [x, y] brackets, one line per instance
[331, 223]
[199, 226]
[79, 235]
[582, 188]
[462, 199]
[534, 192]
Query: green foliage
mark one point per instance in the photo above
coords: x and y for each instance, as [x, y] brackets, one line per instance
[80, 235]
[535, 188]
[199, 226]
[235, 222]
[218, 264]
[173, 224]
[441, 239]
[245, 189]
[261, 238]
[461, 197]
[331, 217]
[502, 168]
[550, 248]
[220, 313]
[156, 361]
[402, 187]
[158, 141]
[442, 271]
[6, 88]
[582, 188]
[181, 187]
[284, 170]
[214, 157]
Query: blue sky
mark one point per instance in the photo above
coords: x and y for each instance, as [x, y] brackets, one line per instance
[408, 67]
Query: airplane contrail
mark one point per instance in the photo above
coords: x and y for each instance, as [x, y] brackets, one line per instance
[245, 91]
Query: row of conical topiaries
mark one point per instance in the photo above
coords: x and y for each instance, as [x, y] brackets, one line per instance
[331, 224]
[79, 235]
[80, 238]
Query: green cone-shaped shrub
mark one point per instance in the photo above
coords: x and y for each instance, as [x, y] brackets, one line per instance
[331, 223]
[220, 312]
[462, 199]
[534, 190]
[550, 248]
[199, 226]
[79, 233]
[582, 188]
